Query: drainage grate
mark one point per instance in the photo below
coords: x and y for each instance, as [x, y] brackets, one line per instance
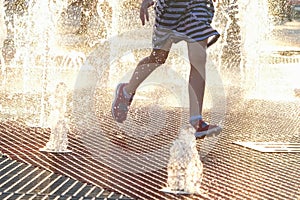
[22, 181]
[272, 146]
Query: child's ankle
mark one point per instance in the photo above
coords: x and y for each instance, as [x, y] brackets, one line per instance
[194, 120]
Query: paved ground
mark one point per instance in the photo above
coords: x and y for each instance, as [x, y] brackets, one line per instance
[122, 160]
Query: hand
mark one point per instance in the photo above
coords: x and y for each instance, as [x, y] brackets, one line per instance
[217, 3]
[144, 14]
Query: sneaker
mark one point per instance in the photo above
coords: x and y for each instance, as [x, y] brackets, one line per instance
[121, 104]
[203, 129]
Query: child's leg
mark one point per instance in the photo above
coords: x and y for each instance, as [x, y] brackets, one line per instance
[145, 67]
[197, 57]
[125, 91]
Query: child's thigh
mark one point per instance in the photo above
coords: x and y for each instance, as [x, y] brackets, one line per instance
[197, 49]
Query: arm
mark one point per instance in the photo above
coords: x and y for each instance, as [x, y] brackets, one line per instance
[144, 14]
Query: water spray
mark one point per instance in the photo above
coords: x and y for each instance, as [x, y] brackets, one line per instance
[59, 124]
[185, 169]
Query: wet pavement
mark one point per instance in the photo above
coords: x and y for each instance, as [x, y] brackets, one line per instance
[127, 162]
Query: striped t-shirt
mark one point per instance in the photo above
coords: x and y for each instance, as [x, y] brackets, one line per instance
[178, 20]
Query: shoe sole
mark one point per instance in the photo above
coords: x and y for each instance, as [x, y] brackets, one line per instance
[214, 131]
[114, 102]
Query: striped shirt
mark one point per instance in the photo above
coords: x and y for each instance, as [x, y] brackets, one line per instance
[178, 20]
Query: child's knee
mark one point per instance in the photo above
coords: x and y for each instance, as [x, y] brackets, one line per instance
[160, 60]
[159, 57]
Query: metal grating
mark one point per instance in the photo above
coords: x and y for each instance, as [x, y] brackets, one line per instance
[272, 147]
[113, 158]
[24, 181]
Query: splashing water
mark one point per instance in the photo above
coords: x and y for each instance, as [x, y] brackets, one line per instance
[185, 170]
[263, 54]
[269, 73]
[37, 54]
[255, 25]
[59, 124]
[3, 35]
[40, 60]
[35, 39]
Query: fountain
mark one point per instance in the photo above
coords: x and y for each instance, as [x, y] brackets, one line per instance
[264, 49]
[40, 70]
[185, 170]
[43, 59]
[253, 34]
[52, 59]
[3, 35]
[58, 122]
[40, 61]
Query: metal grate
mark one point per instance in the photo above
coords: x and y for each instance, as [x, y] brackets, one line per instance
[24, 181]
[272, 147]
[112, 159]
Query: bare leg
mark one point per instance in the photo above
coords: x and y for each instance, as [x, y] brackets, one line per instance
[145, 67]
[197, 57]
[125, 91]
